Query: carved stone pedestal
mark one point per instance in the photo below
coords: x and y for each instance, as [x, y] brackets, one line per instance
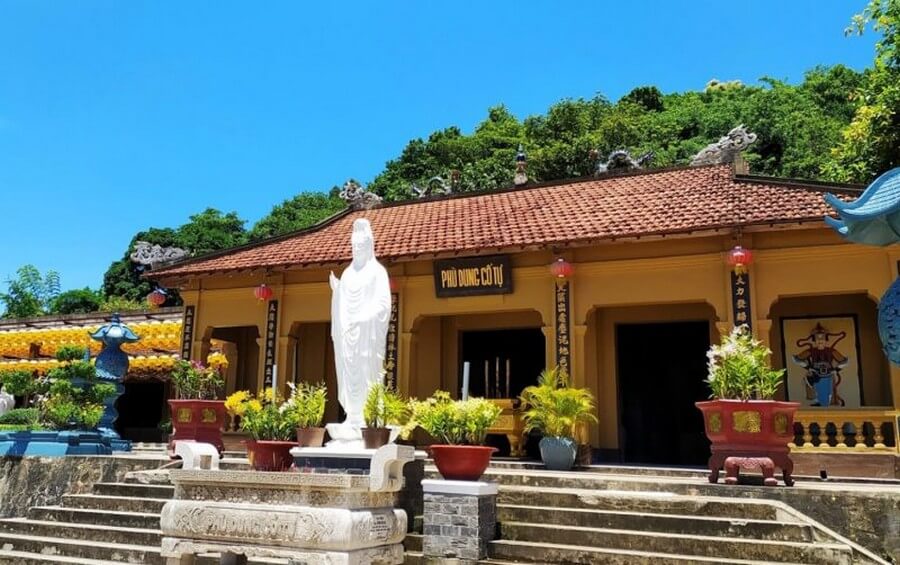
[311, 518]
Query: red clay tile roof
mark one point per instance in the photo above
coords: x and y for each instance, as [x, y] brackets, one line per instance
[672, 201]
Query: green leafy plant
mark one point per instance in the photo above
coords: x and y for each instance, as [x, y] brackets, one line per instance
[194, 380]
[739, 368]
[453, 422]
[307, 403]
[19, 382]
[556, 409]
[268, 417]
[26, 417]
[74, 398]
[383, 407]
[70, 353]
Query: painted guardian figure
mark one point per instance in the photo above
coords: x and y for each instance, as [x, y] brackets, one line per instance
[360, 312]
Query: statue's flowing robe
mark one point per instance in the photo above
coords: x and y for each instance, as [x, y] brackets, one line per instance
[360, 312]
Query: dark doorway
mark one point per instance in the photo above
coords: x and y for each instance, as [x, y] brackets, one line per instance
[661, 368]
[513, 356]
[141, 409]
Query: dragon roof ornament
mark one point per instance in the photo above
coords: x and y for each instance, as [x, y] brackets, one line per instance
[620, 161]
[358, 198]
[150, 255]
[726, 149]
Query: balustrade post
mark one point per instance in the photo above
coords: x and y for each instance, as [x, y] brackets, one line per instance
[807, 434]
[841, 435]
[877, 436]
[860, 426]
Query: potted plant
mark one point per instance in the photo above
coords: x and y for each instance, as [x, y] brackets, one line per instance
[74, 399]
[743, 420]
[383, 408]
[307, 402]
[556, 410]
[197, 414]
[461, 428]
[271, 426]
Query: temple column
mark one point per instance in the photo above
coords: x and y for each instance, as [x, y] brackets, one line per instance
[404, 354]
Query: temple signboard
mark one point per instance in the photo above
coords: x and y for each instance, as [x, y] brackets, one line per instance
[740, 299]
[271, 335]
[472, 276]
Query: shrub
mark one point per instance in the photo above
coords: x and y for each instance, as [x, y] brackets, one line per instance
[454, 422]
[555, 409]
[194, 380]
[19, 382]
[21, 417]
[265, 417]
[383, 407]
[739, 368]
[307, 402]
[71, 353]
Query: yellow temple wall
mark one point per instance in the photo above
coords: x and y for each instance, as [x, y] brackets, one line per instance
[633, 282]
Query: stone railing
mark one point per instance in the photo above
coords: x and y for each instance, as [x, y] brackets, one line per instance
[841, 429]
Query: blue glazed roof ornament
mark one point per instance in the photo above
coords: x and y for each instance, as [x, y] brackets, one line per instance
[874, 217]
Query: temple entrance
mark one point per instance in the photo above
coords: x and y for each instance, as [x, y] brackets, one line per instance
[141, 409]
[502, 362]
[661, 369]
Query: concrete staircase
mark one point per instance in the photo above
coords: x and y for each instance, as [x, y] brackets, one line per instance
[595, 517]
[615, 515]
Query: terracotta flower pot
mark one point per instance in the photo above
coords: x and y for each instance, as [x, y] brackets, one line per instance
[310, 437]
[197, 420]
[376, 437]
[265, 455]
[461, 462]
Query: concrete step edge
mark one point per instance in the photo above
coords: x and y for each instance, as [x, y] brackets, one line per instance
[80, 526]
[703, 518]
[714, 539]
[23, 555]
[87, 511]
[629, 552]
[77, 542]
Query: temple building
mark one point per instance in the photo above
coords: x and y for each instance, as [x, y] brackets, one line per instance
[624, 279]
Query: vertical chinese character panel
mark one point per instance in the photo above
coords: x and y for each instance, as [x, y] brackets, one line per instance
[187, 332]
[740, 299]
[271, 337]
[563, 353]
[390, 357]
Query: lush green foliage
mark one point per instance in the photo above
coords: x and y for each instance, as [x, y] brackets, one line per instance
[76, 301]
[21, 417]
[30, 293]
[307, 402]
[194, 380]
[302, 211]
[453, 422]
[19, 382]
[70, 353]
[74, 398]
[739, 369]
[554, 408]
[870, 144]
[383, 407]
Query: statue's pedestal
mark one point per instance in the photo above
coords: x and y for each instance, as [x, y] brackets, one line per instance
[339, 518]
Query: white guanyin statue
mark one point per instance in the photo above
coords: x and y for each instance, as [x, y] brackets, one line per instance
[360, 312]
[7, 401]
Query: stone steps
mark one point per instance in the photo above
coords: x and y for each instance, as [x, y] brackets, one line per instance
[678, 544]
[88, 532]
[531, 552]
[670, 523]
[83, 549]
[13, 557]
[114, 503]
[164, 492]
[64, 515]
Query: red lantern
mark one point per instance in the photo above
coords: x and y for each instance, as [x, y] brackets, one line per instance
[395, 286]
[739, 258]
[561, 269]
[263, 293]
[157, 298]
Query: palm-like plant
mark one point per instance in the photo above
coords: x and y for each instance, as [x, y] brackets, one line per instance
[555, 409]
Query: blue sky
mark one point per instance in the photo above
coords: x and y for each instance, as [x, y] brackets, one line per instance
[116, 116]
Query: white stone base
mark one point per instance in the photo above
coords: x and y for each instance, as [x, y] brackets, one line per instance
[175, 550]
[465, 488]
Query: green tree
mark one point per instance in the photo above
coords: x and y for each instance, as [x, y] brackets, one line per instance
[301, 211]
[76, 301]
[123, 277]
[30, 293]
[870, 144]
[211, 230]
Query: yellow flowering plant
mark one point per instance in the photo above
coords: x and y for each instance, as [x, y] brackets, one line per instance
[266, 417]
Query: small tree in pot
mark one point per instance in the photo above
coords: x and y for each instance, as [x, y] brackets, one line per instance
[556, 410]
[383, 408]
[307, 403]
[461, 428]
[272, 426]
[743, 420]
[197, 414]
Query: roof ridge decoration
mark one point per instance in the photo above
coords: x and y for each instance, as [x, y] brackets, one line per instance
[726, 149]
[874, 217]
[436, 185]
[619, 161]
[152, 255]
[357, 197]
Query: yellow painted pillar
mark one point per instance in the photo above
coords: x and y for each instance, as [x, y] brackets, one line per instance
[762, 330]
[404, 353]
[284, 354]
[578, 351]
